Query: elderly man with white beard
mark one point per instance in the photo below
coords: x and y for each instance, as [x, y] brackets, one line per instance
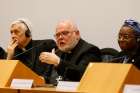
[73, 54]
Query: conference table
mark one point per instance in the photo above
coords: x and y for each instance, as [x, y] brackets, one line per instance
[98, 78]
[36, 90]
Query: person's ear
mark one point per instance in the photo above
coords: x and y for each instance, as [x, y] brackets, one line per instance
[77, 32]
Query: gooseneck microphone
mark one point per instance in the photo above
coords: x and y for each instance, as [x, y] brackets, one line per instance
[24, 52]
[29, 49]
[118, 59]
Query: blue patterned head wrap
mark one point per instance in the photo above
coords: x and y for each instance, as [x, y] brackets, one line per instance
[134, 25]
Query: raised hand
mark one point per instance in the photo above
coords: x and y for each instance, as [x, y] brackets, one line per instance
[11, 48]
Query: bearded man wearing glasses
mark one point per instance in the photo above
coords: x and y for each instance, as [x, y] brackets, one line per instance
[73, 54]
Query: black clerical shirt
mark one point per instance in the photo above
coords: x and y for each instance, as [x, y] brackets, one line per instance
[30, 56]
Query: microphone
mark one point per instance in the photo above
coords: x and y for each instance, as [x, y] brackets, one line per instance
[29, 49]
[118, 59]
[24, 52]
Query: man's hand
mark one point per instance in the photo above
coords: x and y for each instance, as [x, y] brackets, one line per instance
[11, 48]
[49, 58]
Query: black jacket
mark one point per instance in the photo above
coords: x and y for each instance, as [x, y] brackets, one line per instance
[2, 53]
[132, 57]
[30, 57]
[73, 65]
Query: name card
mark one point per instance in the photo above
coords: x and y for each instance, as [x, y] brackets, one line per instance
[66, 85]
[131, 88]
[21, 83]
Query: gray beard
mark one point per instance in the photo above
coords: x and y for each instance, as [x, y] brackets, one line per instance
[68, 48]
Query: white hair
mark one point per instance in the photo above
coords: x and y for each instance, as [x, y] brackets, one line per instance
[23, 20]
[70, 22]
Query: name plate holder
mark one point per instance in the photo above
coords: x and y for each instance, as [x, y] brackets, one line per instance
[21, 83]
[67, 85]
[131, 88]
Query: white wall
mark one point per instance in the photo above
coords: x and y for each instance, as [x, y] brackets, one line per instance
[99, 20]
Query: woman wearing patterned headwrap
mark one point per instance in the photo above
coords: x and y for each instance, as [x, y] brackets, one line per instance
[129, 42]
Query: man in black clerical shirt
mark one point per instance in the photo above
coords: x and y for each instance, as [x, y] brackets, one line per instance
[23, 48]
[73, 54]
